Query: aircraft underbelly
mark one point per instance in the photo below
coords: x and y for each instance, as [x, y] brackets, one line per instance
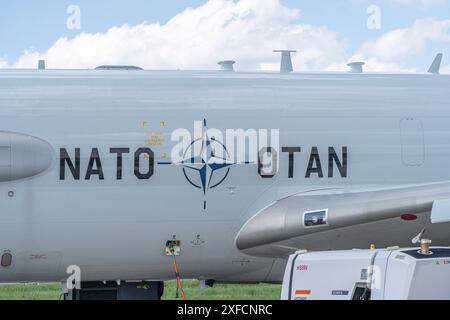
[116, 251]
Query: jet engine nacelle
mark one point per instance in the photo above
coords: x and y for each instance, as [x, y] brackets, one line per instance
[23, 156]
[306, 214]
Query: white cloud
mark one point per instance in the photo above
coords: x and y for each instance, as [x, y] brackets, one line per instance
[247, 31]
[3, 63]
[446, 69]
[390, 51]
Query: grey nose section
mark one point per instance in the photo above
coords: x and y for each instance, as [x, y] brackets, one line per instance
[23, 156]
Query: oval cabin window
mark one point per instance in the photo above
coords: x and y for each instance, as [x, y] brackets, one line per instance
[6, 260]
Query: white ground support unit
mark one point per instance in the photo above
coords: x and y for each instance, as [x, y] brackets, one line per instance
[398, 274]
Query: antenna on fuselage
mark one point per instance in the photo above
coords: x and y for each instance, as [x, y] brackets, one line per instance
[436, 65]
[286, 60]
[356, 67]
[118, 68]
[41, 65]
[227, 65]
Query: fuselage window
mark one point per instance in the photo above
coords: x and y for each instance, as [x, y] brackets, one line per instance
[6, 260]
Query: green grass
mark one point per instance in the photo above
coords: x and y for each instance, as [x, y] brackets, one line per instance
[32, 291]
[225, 291]
[36, 291]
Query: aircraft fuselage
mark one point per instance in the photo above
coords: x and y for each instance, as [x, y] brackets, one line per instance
[112, 195]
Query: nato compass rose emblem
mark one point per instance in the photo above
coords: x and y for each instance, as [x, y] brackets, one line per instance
[205, 163]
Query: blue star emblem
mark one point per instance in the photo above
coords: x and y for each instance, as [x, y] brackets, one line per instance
[206, 164]
[202, 167]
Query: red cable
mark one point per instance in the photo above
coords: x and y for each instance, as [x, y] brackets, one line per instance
[177, 274]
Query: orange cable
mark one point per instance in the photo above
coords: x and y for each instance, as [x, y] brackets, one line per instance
[177, 274]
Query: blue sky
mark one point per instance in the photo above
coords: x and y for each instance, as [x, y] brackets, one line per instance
[36, 25]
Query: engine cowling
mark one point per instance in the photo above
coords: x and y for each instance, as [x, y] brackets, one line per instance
[23, 156]
[300, 215]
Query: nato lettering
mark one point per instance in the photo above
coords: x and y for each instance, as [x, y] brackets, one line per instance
[71, 164]
[291, 152]
[119, 152]
[315, 168]
[314, 165]
[262, 171]
[151, 163]
[74, 168]
[95, 166]
[77, 163]
[333, 158]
